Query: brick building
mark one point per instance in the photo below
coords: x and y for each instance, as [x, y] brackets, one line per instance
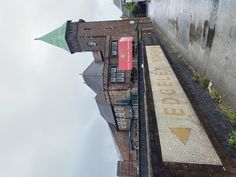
[116, 88]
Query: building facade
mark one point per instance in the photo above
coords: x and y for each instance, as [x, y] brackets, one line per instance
[116, 88]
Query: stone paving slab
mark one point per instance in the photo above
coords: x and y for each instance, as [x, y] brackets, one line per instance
[182, 136]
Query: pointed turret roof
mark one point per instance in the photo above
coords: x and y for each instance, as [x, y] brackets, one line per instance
[93, 76]
[57, 37]
[105, 108]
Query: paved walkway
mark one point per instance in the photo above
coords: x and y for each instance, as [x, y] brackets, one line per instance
[182, 136]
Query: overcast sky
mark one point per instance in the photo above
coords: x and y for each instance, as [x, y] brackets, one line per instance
[49, 122]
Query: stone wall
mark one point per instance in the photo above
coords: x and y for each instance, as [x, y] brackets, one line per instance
[205, 32]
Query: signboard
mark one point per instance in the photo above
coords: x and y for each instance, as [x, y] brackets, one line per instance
[125, 53]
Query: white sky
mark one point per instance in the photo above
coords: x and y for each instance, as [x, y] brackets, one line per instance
[49, 122]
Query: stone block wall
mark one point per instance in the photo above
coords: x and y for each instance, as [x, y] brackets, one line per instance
[205, 32]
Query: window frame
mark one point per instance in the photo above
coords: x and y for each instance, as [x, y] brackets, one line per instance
[114, 48]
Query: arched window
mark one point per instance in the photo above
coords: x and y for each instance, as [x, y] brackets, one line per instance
[92, 44]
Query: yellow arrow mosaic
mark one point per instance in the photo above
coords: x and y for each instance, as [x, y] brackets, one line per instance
[181, 133]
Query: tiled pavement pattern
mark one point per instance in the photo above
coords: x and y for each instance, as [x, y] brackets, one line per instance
[158, 168]
[216, 124]
[182, 136]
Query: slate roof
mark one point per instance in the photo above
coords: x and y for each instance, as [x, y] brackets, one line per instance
[97, 55]
[121, 141]
[105, 108]
[93, 76]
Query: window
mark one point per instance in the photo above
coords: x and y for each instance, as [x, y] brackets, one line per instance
[120, 74]
[116, 75]
[113, 70]
[114, 52]
[122, 123]
[112, 79]
[131, 22]
[92, 44]
[121, 119]
[114, 48]
[86, 29]
[109, 28]
[120, 114]
[119, 109]
[113, 75]
[114, 44]
[122, 127]
[136, 134]
[120, 71]
[136, 144]
[120, 79]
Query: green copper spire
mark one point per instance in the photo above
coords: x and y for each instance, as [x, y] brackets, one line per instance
[56, 37]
